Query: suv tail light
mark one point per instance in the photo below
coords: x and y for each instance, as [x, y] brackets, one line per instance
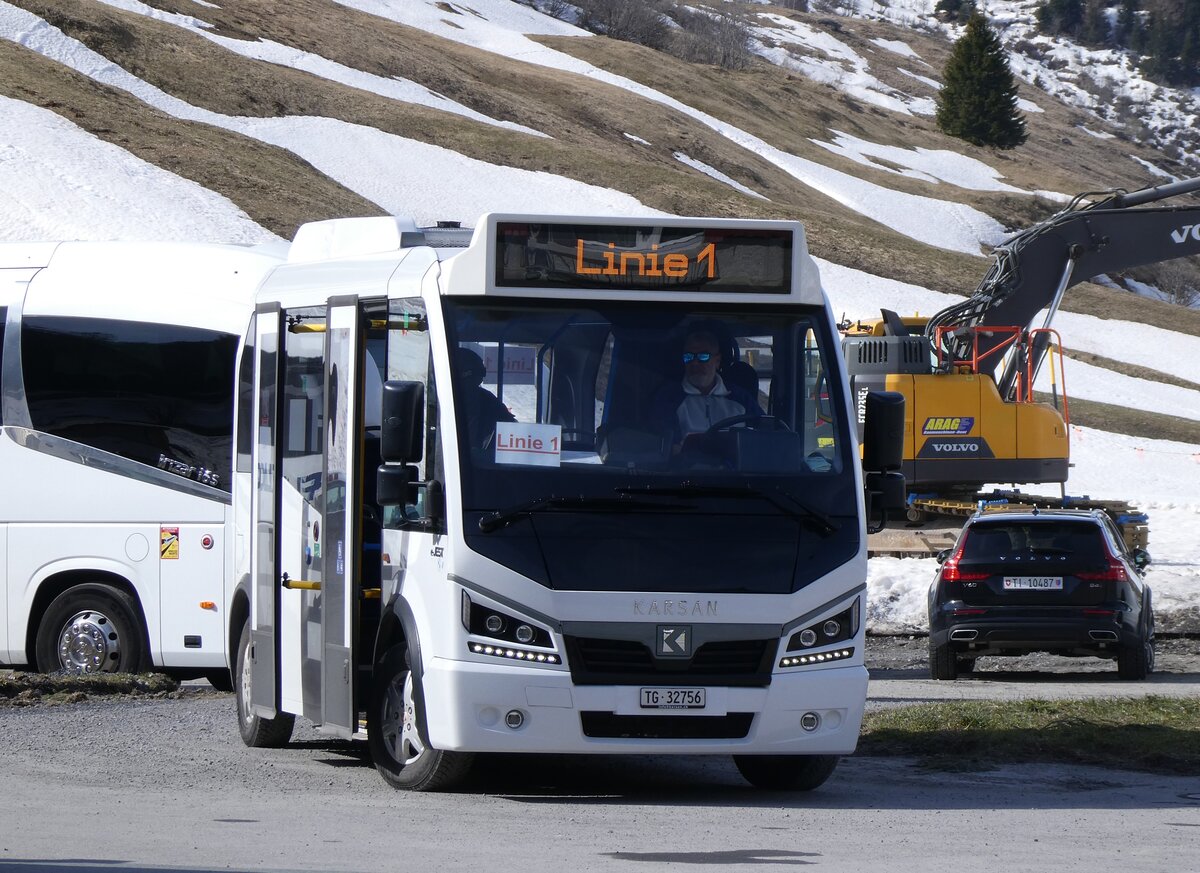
[1114, 571]
[950, 571]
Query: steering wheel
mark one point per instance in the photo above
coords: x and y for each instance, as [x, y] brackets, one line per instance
[754, 422]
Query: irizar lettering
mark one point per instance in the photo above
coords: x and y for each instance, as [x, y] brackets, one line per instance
[675, 607]
[1181, 235]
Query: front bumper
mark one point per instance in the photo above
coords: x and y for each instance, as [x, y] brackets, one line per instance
[467, 704]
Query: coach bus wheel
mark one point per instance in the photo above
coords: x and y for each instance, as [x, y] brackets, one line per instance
[404, 759]
[91, 628]
[257, 732]
[786, 772]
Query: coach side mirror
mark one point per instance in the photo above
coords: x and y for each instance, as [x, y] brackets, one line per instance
[883, 431]
[403, 426]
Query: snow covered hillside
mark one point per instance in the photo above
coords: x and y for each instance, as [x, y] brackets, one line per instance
[173, 156]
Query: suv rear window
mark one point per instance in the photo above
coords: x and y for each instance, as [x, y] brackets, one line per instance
[996, 540]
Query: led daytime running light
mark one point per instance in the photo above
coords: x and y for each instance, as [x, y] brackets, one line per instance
[816, 658]
[513, 654]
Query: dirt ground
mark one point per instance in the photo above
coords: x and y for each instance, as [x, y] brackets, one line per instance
[1173, 654]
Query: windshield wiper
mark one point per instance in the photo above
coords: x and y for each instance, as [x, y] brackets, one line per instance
[504, 517]
[824, 524]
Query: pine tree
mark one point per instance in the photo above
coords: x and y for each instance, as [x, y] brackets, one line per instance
[954, 10]
[1127, 23]
[978, 100]
[1060, 17]
[1095, 31]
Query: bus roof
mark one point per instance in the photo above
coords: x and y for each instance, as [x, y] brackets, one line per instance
[190, 284]
[602, 257]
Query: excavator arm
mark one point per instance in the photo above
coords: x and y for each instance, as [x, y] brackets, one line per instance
[1033, 269]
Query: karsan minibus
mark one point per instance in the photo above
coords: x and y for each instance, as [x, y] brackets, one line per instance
[117, 367]
[475, 518]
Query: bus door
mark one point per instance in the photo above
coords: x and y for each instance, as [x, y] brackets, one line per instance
[342, 514]
[264, 615]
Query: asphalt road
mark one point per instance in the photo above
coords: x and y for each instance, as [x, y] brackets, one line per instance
[149, 785]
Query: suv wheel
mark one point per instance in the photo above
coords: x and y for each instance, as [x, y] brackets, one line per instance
[1136, 660]
[942, 662]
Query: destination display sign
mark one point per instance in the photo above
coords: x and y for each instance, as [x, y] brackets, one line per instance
[652, 257]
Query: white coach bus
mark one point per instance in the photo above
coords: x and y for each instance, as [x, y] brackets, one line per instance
[117, 372]
[480, 516]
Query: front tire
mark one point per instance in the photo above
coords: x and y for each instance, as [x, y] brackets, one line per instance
[395, 722]
[942, 662]
[91, 628]
[257, 732]
[786, 772]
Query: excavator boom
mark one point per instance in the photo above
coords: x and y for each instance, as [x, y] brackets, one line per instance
[1033, 269]
[965, 426]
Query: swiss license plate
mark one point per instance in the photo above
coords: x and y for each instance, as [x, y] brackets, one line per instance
[674, 698]
[1033, 583]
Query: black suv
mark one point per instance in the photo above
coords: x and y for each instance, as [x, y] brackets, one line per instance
[1059, 581]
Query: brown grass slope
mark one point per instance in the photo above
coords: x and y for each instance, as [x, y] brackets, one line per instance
[587, 120]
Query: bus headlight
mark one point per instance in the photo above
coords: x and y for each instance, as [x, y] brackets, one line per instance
[826, 639]
[827, 632]
[500, 631]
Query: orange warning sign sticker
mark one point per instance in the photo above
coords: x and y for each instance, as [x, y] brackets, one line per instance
[168, 543]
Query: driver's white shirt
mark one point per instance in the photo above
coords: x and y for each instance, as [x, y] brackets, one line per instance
[698, 412]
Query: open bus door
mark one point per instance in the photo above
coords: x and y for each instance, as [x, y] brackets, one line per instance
[264, 615]
[343, 427]
[306, 501]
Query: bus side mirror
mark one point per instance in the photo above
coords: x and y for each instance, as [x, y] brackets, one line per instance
[883, 452]
[403, 424]
[394, 485]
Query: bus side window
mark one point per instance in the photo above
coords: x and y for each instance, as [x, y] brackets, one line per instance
[154, 394]
[409, 359]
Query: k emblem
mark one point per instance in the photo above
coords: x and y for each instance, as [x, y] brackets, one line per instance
[674, 640]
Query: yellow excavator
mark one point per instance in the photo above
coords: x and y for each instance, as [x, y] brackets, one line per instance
[967, 372]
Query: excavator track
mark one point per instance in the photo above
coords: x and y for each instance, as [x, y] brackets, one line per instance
[1133, 524]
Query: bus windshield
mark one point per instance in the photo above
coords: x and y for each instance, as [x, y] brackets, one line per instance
[567, 407]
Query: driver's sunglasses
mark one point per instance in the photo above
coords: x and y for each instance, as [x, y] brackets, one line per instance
[702, 357]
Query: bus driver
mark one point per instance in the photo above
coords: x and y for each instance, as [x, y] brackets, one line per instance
[701, 398]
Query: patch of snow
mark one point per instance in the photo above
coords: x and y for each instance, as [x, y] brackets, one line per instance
[716, 174]
[394, 88]
[930, 165]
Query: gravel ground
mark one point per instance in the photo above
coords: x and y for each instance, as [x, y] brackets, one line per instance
[1172, 655]
[888, 656]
